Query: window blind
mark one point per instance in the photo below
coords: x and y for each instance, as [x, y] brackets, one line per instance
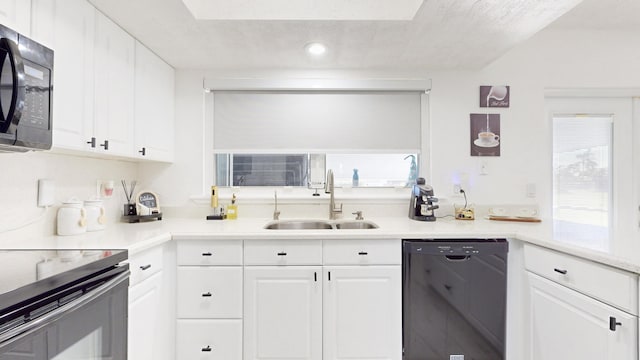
[308, 121]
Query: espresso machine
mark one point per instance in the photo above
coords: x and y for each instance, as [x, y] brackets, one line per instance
[421, 205]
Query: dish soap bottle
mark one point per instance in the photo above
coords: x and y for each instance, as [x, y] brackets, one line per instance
[232, 209]
[413, 170]
[355, 180]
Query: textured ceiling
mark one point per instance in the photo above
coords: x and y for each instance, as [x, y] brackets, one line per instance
[622, 15]
[444, 34]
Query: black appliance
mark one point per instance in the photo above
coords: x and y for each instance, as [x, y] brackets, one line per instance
[454, 299]
[421, 204]
[26, 85]
[69, 304]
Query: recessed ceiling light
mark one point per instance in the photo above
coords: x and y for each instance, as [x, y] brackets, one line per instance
[316, 49]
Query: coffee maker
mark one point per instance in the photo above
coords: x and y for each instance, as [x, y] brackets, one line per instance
[421, 205]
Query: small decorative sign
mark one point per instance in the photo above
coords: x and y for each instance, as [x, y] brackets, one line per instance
[485, 134]
[494, 96]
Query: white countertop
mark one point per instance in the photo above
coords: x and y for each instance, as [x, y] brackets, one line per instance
[140, 236]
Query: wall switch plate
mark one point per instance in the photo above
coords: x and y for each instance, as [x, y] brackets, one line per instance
[484, 167]
[46, 192]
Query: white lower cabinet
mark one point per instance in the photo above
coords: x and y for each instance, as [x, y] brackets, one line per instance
[209, 300]
[283, 312]
[579, 309]
[150, 310]
[219, 339]
[362, 312]
[145, 315]
[566, 324]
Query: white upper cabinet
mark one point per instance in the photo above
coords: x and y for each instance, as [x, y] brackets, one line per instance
[154, 106]
[16, 14]
[68, 27]
[114, 88]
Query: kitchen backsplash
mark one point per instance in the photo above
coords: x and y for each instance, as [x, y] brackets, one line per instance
[73, 177]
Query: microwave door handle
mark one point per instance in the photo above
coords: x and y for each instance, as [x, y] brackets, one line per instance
[18, 86]
[20, 332]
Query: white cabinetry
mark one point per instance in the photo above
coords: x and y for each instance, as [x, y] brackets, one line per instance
[68, 27]
[154, 106]
[362, 312]
[362, 300]
[148, 309]
[15, 14]
[283, 313]
[209, 298]
[572, 319]
[114, 88]
[350, 308]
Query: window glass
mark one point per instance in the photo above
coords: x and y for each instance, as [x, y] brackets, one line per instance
[582, 184]
[373, 170]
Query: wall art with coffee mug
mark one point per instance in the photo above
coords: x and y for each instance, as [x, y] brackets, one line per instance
[485, 134]
[496, 96]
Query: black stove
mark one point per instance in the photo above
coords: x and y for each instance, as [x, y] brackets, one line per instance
[42, 290]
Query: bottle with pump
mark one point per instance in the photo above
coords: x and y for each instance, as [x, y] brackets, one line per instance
[232, 209]
[413, 170]
[355, 180]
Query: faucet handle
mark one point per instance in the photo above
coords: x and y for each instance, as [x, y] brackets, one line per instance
[358, 215]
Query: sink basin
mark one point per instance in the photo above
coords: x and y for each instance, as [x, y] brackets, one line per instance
[299, 225]
[356, 225]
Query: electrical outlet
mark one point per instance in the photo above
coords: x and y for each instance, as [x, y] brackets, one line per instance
[456, 189]
[46, 192]
[531, 190]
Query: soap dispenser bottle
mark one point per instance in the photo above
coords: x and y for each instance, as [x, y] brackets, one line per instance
[413, 170]
[232, 209]
[355, 180]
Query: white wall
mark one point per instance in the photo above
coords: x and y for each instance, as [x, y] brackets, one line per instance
[73, 176]
[551, 59]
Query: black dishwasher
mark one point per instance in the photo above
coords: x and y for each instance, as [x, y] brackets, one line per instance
[454, 299]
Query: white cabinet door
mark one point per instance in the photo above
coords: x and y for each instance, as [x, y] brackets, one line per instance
[145, 312]
[568, 325]
[68, 27]
[154, 108]
[114, 88]
[283, 313]
[362, 312]
[15, 14]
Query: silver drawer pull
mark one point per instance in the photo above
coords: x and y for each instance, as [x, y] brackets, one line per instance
[561, 271]
[145, 267]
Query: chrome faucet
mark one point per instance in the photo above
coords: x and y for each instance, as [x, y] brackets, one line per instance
[276, 212]
[329, 188]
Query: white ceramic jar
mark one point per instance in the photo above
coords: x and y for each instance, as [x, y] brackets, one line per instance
[72, 218]
[96, 219]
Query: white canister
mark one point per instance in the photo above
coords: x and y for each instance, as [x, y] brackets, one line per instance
[72, 218]
[96, 219]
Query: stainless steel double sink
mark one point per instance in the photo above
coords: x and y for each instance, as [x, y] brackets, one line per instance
[320, 225]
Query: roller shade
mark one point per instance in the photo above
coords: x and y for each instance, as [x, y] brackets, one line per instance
[358, 121]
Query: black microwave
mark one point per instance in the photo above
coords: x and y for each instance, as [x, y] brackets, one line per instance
[26, 91]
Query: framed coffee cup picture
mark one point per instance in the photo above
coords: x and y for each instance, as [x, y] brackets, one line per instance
[485, 134]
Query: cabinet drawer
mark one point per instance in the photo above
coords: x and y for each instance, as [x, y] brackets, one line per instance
[209, 252]
[209, 292]
[362, 252]
[283, 252]
[612, 286]
[145, 264]
[209, 339]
